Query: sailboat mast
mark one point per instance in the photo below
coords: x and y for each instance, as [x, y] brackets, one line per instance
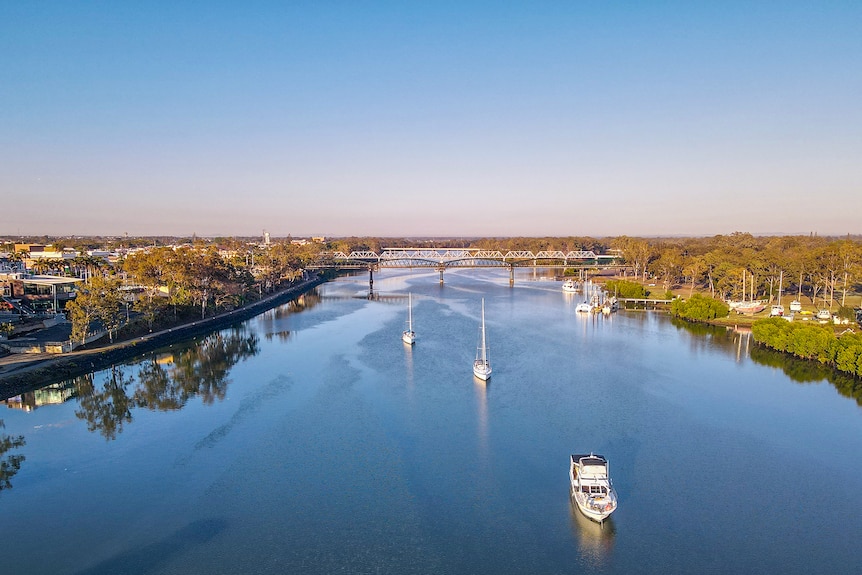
[780, 282]
[410, 311]
[484, 355]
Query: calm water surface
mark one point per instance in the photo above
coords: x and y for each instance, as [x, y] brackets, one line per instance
[312, 440]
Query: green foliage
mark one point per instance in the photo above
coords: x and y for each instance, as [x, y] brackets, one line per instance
[699, 308]
[846, 312]
[101, 300]
[811, 341]
[625, 289]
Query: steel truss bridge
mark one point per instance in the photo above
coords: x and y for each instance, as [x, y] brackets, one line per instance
[441, 259]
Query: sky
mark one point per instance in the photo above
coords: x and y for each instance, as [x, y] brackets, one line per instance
[416, 119]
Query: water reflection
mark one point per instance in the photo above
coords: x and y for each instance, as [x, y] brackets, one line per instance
[733, 341]
[304, 302]
[108, 408]
[164, 382]
[806, 371]
[10, 464]
[272, 318]
[595, 541]
[53, 394]
[283, 336]
[481, 389]
[199, 369]
[153, 557]
[408, 365]
[738, 341]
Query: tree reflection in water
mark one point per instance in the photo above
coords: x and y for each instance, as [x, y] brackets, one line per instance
[107, 409]
[808, 371]
[11, 464]
[164, 382]
[799, 370]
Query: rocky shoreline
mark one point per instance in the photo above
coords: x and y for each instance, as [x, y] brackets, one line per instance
[21, 374]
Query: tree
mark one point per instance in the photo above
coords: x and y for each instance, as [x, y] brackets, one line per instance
[699, 308]
[668, 266]
[6, 329]
[100, 300]
[694, 267]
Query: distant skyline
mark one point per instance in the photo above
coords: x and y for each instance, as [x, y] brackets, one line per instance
[446, 119]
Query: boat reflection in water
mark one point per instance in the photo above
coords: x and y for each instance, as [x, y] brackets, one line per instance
[595, 540]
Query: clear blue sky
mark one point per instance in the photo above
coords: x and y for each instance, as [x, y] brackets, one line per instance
[439, 118]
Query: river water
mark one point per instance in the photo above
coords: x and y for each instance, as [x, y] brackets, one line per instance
[310, 439]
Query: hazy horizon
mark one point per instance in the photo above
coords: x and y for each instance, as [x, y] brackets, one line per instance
[469, 119]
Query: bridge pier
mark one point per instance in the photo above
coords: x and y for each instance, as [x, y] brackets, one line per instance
[440, 269]
[370, 281]
[512, 275]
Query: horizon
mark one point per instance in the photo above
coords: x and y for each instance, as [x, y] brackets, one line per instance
[467, 120]
[12, 238]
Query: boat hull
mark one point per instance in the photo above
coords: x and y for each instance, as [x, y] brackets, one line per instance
[747, 307]
[589, 511]
[482, 370]
[408, 337]
[592, 491]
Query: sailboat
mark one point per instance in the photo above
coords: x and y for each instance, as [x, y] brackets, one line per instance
[778, 309]
[585, 306]
[482, 365]
[796, 305]
[408, 336]
[747, 306]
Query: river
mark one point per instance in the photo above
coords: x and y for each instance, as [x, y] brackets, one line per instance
[310, 439]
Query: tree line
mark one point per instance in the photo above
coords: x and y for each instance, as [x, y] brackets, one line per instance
[166, 285]
[812, 341]
[211, 276]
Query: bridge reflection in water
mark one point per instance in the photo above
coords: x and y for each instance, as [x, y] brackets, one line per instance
[440, 259]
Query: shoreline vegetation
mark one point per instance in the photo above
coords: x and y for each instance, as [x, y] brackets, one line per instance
[188, 284]
[25, 373]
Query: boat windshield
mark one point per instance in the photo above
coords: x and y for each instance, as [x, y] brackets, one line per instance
[594, 489]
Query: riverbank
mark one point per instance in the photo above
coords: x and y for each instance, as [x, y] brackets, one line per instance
[20, 373]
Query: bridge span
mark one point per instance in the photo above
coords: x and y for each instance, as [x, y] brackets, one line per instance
[443, 258]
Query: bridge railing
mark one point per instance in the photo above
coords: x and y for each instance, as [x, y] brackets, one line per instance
[451, 255]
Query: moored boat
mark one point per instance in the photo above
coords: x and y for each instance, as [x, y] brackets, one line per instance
[591, 486]
[747, 307]
[408, 336]
[584, 307]
[796, 305]
[777, 310]
[482, 363]
[570, 286]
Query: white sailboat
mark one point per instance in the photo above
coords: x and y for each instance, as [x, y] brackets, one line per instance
[796, 305]
[585, 306]
[482, 364]
[408, 336]
[778, 309]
